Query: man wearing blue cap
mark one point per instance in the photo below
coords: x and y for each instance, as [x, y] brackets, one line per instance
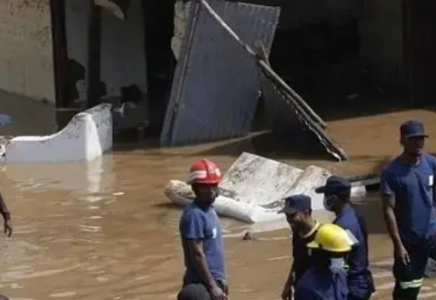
[298, 210]
[337, 192]
[408, 193]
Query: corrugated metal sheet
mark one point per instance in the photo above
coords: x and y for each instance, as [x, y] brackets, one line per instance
[287, 115]
[215, 87]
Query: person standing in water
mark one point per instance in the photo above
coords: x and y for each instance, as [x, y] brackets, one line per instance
[298, 210]
[326, 278]
[337, 193]
[408, 194]
[200, 231]
[4, 211]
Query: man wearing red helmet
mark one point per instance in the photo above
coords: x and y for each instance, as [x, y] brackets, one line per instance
[200, 231]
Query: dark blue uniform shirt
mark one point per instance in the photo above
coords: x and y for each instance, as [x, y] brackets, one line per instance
[300, 252]
[360, 281]
[326, 285]
[412, 186]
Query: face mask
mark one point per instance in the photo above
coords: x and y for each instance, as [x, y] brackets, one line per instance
[337, 264]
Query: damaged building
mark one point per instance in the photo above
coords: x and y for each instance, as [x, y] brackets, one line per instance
[146, 57]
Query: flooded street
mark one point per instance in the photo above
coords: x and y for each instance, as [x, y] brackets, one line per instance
[105, 231]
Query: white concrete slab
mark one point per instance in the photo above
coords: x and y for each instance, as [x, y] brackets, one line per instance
[87, 136]
[254, 187]
[257, 180]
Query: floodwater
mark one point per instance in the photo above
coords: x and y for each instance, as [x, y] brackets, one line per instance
[104, 230]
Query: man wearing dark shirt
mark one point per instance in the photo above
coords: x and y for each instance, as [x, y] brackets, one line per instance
[298, 210]
[337, 193]
[408, 194]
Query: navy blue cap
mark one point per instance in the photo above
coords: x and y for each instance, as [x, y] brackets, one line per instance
[335, 184]
[296, 203]
[412, 128]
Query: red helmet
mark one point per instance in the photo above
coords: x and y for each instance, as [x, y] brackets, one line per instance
[204, 171]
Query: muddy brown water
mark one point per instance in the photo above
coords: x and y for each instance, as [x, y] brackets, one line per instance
[104, 230]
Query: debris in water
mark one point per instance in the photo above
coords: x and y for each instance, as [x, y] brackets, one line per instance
[249, 236]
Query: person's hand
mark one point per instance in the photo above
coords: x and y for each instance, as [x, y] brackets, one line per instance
[8, 228]
[225, 288]
[401, 254]
[287, 292]
[217, 293]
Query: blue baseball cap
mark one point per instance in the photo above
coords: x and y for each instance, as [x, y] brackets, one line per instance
[296, 203]
[412, 128]
[334, 184]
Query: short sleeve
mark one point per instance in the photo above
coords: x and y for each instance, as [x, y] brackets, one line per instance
[192, 226]
[386, 187]
[432, 161]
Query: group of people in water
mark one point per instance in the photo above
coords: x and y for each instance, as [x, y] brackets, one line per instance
[330, 261]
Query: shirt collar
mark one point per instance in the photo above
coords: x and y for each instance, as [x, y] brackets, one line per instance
[347, 209]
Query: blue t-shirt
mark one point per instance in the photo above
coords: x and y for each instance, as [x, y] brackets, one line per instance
[360, 281]
[326, 285]
[412, 186]
[198, 222]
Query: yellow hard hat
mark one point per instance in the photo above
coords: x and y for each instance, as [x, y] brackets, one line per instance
[332, 238]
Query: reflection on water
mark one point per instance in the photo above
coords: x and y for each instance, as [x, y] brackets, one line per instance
[94, 177]
[104, 230]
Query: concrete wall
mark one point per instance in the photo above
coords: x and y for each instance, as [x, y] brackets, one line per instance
[26, 63]
[122, 49]
[382, 40]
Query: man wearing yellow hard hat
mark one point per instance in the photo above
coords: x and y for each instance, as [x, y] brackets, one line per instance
[326, 279]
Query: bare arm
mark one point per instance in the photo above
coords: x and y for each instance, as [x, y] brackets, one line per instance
[4, 209]
[196, 252]
[389, 216]
[290, 279]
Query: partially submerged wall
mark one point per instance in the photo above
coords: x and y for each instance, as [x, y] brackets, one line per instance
[26, 62]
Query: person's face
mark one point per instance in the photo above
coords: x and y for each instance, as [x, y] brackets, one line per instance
[206, 193]
[297, 219]
[413, 145]
[330, 201]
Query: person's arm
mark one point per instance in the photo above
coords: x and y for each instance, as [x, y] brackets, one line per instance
[4, 209]
[193, 234]
[290, 279]
[388, 201]
[196, 252]
[388, 198]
